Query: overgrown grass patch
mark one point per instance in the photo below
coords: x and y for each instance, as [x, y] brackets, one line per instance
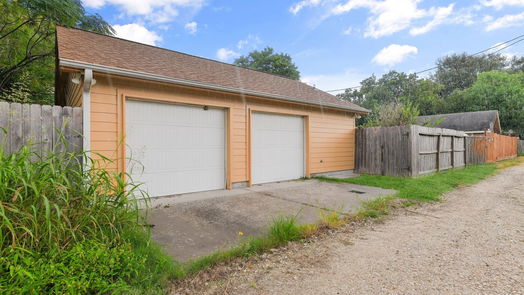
[375, 208]
[331, 218]
[510, 162]
[69, 229]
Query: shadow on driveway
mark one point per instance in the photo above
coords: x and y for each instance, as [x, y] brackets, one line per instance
[193, 225]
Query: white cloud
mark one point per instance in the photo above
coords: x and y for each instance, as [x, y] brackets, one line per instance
[251, 42]
[394, 54]
[93, 3]
[391, 16]
[510, 20]
[225, 54]
[191, 27]
[347, 31]
[441, 14]
[487, 18]
[297, 7]
[499, 4]
[158, 11]
[347, 78]
[137, 33]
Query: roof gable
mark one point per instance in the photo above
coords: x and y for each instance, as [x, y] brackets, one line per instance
[95, 49]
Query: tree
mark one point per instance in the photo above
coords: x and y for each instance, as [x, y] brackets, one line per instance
[516, 64]
[395, 88]
[27, 42]
[460, 71]
[495, 90]
[267, 61]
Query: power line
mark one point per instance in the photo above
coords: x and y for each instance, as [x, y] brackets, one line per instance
[514, 41]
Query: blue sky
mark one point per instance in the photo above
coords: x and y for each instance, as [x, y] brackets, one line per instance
[335, 43]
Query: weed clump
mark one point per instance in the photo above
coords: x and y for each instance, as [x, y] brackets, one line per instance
[68, 227]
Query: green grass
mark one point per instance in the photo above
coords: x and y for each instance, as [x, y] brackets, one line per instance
[424, 188]
[282, 230]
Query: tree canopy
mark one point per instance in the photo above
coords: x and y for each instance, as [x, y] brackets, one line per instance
[495, 90]
[461, 84]
[268, 61]
[459, 71]
[27, 44]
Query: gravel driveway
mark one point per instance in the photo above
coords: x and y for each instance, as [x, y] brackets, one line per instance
[473, 243]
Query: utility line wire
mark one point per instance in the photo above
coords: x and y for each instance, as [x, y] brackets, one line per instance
[514, 41]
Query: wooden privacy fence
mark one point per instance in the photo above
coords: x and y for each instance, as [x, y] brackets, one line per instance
[46, 128]
[415, 150]
[491, 148]
[521, 146]
[476, 150]
[408, 150]
[501, 147]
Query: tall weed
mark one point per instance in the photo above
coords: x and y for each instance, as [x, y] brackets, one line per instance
[72, 228]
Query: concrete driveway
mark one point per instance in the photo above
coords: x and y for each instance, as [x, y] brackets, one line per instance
[193, 225]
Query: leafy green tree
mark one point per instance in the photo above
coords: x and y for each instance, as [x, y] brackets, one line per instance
[516, 64]
[27, 43]
[392, 86]
[495, 90]
[268, 61]
[459, 71]
[395, 88]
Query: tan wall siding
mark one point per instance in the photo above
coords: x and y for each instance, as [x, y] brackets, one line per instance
[332, 133]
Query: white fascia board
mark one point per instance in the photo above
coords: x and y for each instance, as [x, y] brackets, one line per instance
[159, 78]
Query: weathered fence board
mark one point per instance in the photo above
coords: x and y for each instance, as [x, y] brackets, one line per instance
[44, 128]
[521, 146]
[408, 150]
[476, 150]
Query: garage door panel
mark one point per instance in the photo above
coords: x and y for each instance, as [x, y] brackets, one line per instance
[278, 147]
[177, 149]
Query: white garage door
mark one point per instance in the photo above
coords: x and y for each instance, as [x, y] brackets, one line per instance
[277, 147]
[174, 148]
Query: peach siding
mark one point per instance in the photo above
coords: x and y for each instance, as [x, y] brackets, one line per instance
[331, 132]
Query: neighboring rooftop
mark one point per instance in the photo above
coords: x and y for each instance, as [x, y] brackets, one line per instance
[76, 45]
[468, 122]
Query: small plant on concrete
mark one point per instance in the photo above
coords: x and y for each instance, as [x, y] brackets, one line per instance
[284, 228]
[331, 218]
[308, 230]
[375, 208]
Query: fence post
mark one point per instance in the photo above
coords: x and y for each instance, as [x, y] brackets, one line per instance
[439, 139]
[452, 151]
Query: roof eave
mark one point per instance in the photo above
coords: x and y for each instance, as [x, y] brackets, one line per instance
[159, 78]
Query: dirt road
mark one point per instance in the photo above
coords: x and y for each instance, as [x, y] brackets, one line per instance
[473, 243]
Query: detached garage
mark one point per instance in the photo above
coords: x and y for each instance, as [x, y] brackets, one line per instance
[179, 123]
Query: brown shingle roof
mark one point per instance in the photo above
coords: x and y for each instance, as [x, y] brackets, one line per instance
[86, 47]
[468, 121]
